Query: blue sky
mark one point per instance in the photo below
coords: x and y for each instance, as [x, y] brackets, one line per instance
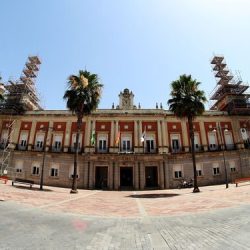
[142, 45]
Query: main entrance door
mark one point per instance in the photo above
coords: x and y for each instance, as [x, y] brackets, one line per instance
[101, 177]
[126, 177]
[151, 176]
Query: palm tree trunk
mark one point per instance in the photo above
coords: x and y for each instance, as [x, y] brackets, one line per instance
[74, 181]
[191, 134]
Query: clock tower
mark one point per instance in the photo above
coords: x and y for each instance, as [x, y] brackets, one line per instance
[126, 99]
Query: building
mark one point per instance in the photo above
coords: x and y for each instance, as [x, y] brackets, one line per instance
[125, 146]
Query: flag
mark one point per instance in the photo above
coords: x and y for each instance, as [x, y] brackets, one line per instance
[92, 140]
[117, 138]
[143, 136]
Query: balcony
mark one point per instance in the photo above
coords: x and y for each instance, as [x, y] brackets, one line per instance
[56, 149]
[37, 148]
[73, 150]
[3, 145]
[230, 147]
[102, 150]
[198, 148]
[151, 151]
[176, 150]
[22, 147]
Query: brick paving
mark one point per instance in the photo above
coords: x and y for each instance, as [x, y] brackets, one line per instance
[128, 203]
[215, 218]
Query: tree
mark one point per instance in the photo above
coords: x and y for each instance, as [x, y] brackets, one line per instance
[2, 90]
[82, 96]
[188, 102]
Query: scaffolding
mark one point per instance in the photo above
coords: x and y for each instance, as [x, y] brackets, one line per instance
[7, 147]
[230, 92]
[21, 95]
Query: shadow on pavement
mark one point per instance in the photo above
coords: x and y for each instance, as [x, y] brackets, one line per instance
[153, 196]
[33, 188]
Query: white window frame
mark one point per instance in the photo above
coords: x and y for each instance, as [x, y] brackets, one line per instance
[199, 169]
[19, 166]
[55, 170]
[216, 169]
[40, 140]
[35, 167]
[102, 143]
[197, 143]
[57, 141]
[212, 146]
[152, 143]
[23, 141]
[232, 165]
[178, 171]
[125, 140]
[175, 137]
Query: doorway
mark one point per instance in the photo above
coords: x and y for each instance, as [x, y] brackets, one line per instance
[126, 176]
[101, 177]
[151, 175]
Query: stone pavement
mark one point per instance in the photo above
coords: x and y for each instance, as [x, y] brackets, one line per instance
[215, 218]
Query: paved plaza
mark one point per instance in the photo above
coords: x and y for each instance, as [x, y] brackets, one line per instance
[215, 218]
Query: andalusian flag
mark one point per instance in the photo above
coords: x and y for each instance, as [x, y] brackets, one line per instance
[92, 140]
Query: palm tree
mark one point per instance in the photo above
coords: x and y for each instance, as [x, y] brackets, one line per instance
[188, 101]
[2, 89]
[82, 96]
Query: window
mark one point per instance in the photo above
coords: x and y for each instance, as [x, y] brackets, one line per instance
[150, 144]
[199, 171]
[102, 143]
[57, 144]
[19, 166]
[177, 171]
[126, 144]
[175, 142]
[23, 139]
[54, 172]
[39, 141]
[229, 140]
[35, 170]
[196, 142]
[232, 166]
[216, 169]
[212, 141]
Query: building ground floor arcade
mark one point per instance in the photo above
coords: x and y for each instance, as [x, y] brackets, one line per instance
[129, 171]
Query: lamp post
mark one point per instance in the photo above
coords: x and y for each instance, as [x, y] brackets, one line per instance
[223, 151]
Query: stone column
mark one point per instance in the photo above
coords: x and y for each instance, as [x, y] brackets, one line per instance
[140, 144]
[110, 175]
[167, 174]
[136, 175]
[161, 175]
[85, 173]
[142, 176]
[165, 138]
[136, 136]
[159, 142]
[112, 134]
[116, 176]
[203, 136]
[31, 135]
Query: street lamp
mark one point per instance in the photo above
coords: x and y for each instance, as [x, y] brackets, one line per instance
[223, 151]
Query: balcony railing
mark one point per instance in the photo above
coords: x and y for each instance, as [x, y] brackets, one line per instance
[22, 147]
[101, 150]
[151, 151]
[73, 150]
[176, 150]
[36, 148]
[56, 149]
[230, 147]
